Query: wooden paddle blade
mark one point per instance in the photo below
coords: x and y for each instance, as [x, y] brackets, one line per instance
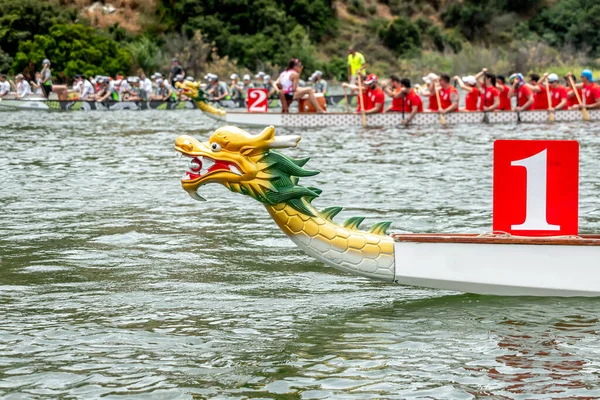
[585, 114]
[551, 117]
[442, 119]
[486, 119]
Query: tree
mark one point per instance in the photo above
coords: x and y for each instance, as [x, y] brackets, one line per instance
[402, 36]
[74, 49]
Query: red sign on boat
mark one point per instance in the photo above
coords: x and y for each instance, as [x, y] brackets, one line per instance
[536, 187]
[258, 100]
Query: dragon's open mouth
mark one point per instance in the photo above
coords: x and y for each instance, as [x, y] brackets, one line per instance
[202, 166]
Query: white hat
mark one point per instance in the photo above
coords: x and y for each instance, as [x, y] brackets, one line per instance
[234, 76]
[159, 81]
[260, 74]
[552, 78]
[430, 77]
[267, 78]
[189, 78]
[470, 79]
[247, 77]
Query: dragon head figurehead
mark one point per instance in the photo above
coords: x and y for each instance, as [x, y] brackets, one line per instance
[247, 164]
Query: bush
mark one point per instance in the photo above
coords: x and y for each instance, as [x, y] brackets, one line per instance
[401, 36]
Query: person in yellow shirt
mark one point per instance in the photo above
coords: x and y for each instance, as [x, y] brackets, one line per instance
[356, 63]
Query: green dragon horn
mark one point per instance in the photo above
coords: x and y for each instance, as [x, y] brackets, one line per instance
[380, 228]
[330, 212]
[353, 222]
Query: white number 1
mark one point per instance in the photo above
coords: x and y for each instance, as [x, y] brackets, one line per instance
[535, 214]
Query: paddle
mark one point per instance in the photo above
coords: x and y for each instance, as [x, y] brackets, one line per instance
[486, 119]
[584, 112]
[402, 107]
[362, 103]
[346, 97]
[551, 113]
[517, 97]
[439, 103]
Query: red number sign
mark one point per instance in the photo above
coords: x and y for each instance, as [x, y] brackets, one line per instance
[536, 187]
[258, 100]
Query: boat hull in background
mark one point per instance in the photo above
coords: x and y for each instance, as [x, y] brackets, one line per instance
[77, 105]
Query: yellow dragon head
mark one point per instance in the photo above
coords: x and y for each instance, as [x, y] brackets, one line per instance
[248, 164]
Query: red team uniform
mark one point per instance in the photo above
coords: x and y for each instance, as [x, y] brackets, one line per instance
[375, 97]
[540, 99]
[413, 99]
[523, 94]
[472, 99]
[488, 96]
[591, 93]
[445, 97]
[504, 99]
[558, 94]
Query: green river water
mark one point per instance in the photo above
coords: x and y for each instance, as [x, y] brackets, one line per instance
[115, 284]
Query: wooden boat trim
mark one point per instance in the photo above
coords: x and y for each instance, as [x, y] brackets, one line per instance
[468, 238]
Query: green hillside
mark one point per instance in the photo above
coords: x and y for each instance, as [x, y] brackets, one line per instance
[223, 36]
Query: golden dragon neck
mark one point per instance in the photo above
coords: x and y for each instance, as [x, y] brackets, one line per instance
[348, 249]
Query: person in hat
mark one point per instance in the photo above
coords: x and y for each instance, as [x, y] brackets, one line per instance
[246, 84]
[145, 84]
[22, 87]
[288, 85]
[591, 90]
[260, 80]
[356, 64]
[469, 84]
[448, 95]
[218, 90]
[519, 90]
[375, 95]
[176, 69]
[4, 86]
[558, 93]
[540, 97]
[318, 83]
[235, 87]
[46, 76]
[108, 91]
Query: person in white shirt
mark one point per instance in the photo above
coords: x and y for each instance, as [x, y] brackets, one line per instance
[86, 89]
[124, 88]
[4, 86]
[145, 84]
[23, 87]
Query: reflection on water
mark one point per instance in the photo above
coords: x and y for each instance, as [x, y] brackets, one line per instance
[113, 282]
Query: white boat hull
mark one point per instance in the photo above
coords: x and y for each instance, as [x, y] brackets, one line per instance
[393, 119]
[500, 269]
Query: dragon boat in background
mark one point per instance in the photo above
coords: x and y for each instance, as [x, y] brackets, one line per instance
[483, 264]
[314, 120]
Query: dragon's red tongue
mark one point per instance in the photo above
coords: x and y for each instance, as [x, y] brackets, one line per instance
[219, 165]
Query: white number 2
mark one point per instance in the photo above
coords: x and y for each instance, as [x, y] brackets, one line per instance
[259, 97]
[535, 217]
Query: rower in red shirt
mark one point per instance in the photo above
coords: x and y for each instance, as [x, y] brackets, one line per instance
[374, 94]
[540, 97]
[413, 102]
[558, 93]
[591, 91]
[448, 95]
[469, 84]
[490, 97]
[503, 90]
[395, 92]
[572, 99]
[522, 92]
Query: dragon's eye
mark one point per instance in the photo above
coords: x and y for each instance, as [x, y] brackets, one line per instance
[215, 146]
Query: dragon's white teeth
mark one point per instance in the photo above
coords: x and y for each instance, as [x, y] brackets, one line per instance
[207, 163]
[187, 177]
[234, 169]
